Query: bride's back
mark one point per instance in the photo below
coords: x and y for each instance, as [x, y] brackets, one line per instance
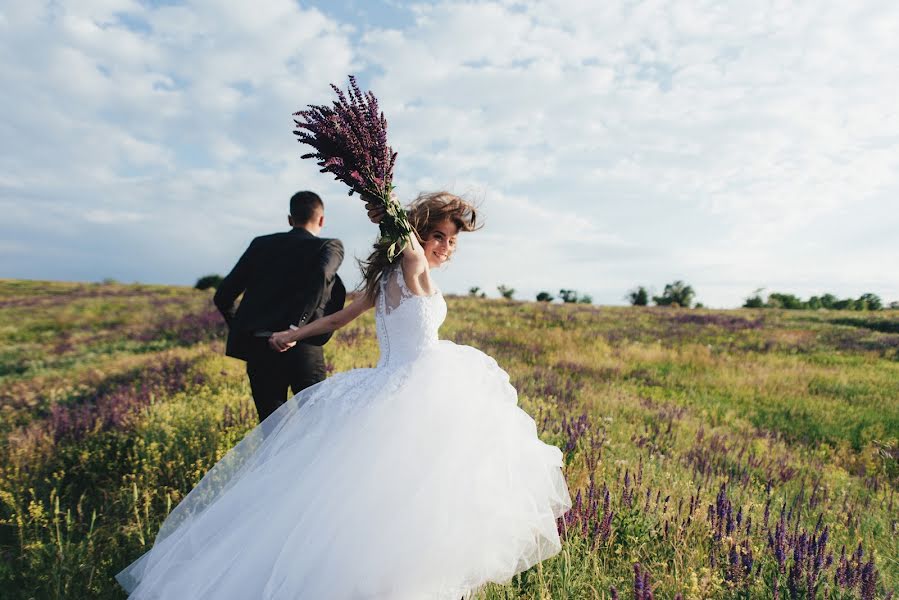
[406, 323]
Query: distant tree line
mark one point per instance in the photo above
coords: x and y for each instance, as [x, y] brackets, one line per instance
[504, 291]
[677, 293]
[567, 296]
[868, 301]
[213, 281]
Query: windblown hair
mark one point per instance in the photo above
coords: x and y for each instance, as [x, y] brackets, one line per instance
[425, 213]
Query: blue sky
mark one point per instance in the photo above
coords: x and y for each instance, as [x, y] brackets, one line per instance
[733, 145]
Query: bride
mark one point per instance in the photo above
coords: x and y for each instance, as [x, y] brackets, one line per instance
[418, 479]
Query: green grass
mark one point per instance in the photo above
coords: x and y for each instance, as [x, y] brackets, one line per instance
[115, 399]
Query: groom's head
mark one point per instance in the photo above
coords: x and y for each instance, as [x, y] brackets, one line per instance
[307, 211]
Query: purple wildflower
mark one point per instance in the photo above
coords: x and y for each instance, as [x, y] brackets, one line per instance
[638, 582]
[869, 581]
[349, 140]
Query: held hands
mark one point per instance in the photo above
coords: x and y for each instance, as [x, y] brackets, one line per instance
[282, 341]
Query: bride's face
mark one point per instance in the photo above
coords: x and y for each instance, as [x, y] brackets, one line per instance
[441, 243]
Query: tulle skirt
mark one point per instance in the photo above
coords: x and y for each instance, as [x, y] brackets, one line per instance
[423, 480]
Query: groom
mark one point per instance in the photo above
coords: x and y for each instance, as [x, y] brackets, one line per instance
[287, 279]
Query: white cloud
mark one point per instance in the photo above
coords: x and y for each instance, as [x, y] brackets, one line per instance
[106, 217]
[734, 145]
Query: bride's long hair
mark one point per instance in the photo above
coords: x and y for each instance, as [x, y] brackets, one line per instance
[425, 212]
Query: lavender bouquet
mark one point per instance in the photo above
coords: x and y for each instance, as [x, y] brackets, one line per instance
[350, 141]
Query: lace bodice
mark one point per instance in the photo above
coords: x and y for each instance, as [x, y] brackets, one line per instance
[406, 323]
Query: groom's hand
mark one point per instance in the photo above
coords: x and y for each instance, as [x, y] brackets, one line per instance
[280, 341]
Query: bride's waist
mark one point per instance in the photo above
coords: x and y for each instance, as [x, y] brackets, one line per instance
[395, 353]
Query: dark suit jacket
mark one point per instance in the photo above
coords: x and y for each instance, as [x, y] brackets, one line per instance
[286, 279]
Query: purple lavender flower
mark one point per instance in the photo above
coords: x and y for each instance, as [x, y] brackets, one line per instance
[350, 142]
[868, 581]
[627, 492]
[746, 560]
[779, 543]
[841, 576]
[733, 560]
[112, 406]
[605, 526]
[638, 582]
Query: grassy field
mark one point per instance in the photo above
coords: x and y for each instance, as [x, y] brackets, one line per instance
[711, 454]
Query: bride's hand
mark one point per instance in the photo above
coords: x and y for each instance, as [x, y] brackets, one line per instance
[375, 212]
[281, 341]
[375, 209]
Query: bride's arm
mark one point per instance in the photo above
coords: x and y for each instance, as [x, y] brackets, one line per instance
[415, 265]
[284, 340]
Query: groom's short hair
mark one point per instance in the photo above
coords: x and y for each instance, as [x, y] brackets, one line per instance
[303, 206]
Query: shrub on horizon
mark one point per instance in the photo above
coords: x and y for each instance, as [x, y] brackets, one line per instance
[676, 293]
[545, 297]
[638, 296]
[755, 300]
[476, 292]
[828, 300]
[505, 291]
[568, 296]
[870, 301]
[787, 301]
[208, 281]
[844, 304]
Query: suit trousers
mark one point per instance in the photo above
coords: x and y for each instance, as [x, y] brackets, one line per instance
[271, 373]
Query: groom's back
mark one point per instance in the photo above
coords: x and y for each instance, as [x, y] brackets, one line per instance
[284, 278]
[282, 271]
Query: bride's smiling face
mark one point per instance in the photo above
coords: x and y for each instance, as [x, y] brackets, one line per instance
[441, 243]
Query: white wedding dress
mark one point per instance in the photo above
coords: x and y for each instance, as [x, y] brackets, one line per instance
[419, 479]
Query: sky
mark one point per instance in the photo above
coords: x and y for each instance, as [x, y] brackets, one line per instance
[732, 145]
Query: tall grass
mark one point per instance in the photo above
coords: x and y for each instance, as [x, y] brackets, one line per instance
[711, 454]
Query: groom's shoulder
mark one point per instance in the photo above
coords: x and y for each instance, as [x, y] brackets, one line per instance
[333, 246]
[286, 238]
[279, 237]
